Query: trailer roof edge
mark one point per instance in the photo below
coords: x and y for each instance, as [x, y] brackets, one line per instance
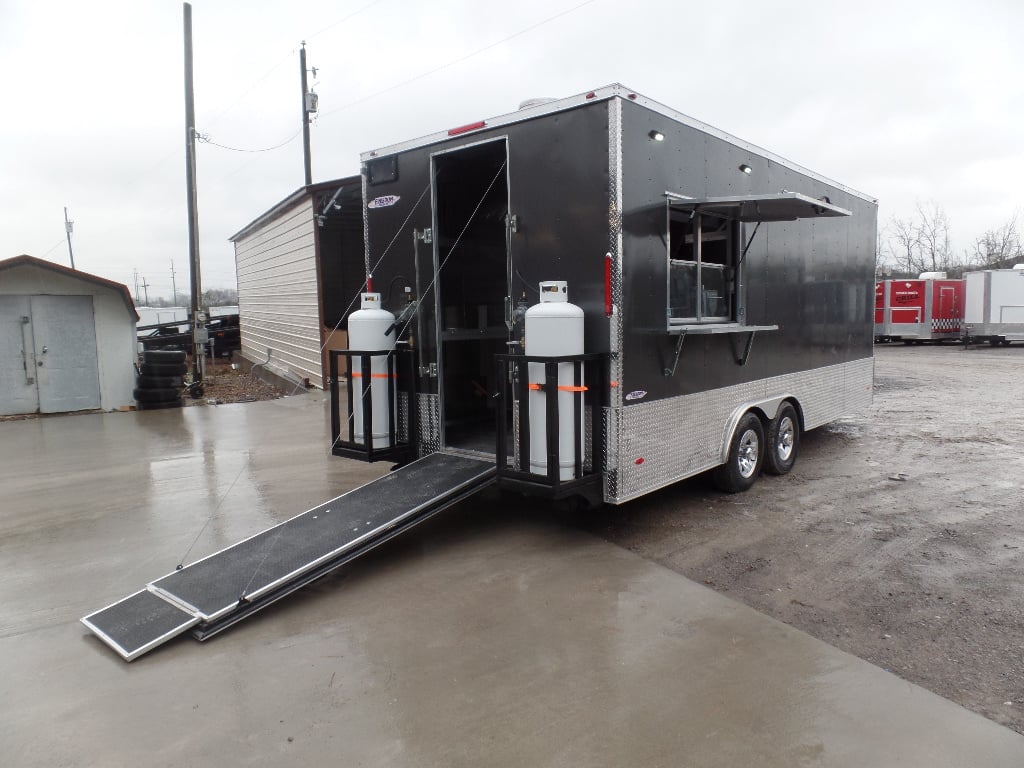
[608, 92]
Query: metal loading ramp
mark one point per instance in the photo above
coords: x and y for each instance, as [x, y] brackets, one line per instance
[211, 594]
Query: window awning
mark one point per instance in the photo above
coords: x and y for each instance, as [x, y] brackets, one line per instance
[780, 206]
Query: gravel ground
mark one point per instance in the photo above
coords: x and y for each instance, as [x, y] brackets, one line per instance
[898, 536]
[222, 384]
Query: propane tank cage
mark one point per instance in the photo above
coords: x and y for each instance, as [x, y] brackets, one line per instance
[400, 379]
[590, 377]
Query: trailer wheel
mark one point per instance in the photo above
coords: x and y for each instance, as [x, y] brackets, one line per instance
[782, 441]
[746, 455]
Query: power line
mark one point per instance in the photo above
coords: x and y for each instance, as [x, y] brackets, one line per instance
[282, 60]
[204, 139]
[459, 60]
[346, 18]
[52, 248]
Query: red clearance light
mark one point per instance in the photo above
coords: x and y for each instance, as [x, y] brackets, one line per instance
[591, 95]
[466, 128]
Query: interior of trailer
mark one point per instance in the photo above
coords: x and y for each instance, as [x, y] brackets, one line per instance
[471, 251]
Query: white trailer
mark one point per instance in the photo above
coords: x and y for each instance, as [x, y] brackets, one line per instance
[994, 306]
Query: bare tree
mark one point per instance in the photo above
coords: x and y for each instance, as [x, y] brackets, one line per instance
[902, 244]
[921, 243]
[933, 238]
[998, 248]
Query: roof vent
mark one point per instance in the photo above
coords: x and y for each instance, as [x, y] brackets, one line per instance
[536, 102]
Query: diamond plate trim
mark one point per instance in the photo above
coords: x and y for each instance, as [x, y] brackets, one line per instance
[514, 457]
[402, 425]
[430, 423]
[615, 245]
[654, 444]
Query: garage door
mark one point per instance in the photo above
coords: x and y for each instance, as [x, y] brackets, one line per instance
[48, 348]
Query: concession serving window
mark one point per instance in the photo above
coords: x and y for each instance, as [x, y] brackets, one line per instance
[706, 245]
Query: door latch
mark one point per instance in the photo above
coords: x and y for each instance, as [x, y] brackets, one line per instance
[424, 235]
[429, 370]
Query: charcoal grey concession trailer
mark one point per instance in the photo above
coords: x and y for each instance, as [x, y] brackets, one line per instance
[726, 299]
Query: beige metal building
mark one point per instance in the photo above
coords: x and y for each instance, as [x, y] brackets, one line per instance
[299, 266]
[67, 339]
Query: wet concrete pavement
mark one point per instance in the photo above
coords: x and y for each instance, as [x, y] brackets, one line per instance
[492, 635]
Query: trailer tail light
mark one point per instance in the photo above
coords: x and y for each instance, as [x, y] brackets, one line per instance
[608, 285]
[466, 128]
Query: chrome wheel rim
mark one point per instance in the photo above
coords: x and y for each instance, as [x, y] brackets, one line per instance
[786, 439]
[747, 455]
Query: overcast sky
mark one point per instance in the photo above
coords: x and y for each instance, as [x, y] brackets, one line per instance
[906, 101]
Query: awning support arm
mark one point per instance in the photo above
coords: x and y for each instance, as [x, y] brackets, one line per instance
[746, 248]
[670, 372]
[741, 361]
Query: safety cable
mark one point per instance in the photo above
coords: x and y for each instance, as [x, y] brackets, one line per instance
[455, 245]
[272, 544]
[373, 269]
[430, 285]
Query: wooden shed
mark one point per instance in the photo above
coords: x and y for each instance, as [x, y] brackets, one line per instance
[67, 339]
[298, 266]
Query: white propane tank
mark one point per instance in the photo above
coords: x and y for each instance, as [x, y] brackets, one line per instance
[367, 332]
[554, 328]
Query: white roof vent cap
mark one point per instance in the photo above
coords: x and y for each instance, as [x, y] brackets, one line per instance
[536, 102]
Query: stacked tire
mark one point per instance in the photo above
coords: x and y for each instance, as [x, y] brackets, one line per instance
[161, 380]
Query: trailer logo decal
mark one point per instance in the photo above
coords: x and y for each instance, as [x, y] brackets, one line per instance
[384, 201]
[637, 394]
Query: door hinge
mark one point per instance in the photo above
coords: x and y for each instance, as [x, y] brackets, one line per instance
[429, 370]
[512, 222]
[424, 235]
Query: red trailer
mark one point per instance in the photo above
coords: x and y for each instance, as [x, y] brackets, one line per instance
[925, 309]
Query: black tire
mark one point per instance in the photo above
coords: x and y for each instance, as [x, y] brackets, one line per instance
[155, 395]
[994, 341]
[157, 369]
[163, 356]
[1005, 342]
[746, 457]
[782, 441]
[159, 406]
[160, 382]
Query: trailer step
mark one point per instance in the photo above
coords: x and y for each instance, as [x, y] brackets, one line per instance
[222, 589]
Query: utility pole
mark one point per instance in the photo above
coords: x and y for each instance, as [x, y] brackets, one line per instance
[309, 105]
[69, 227]
[198, 319]
[145, 288]
[135, 274]
[174, 287]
